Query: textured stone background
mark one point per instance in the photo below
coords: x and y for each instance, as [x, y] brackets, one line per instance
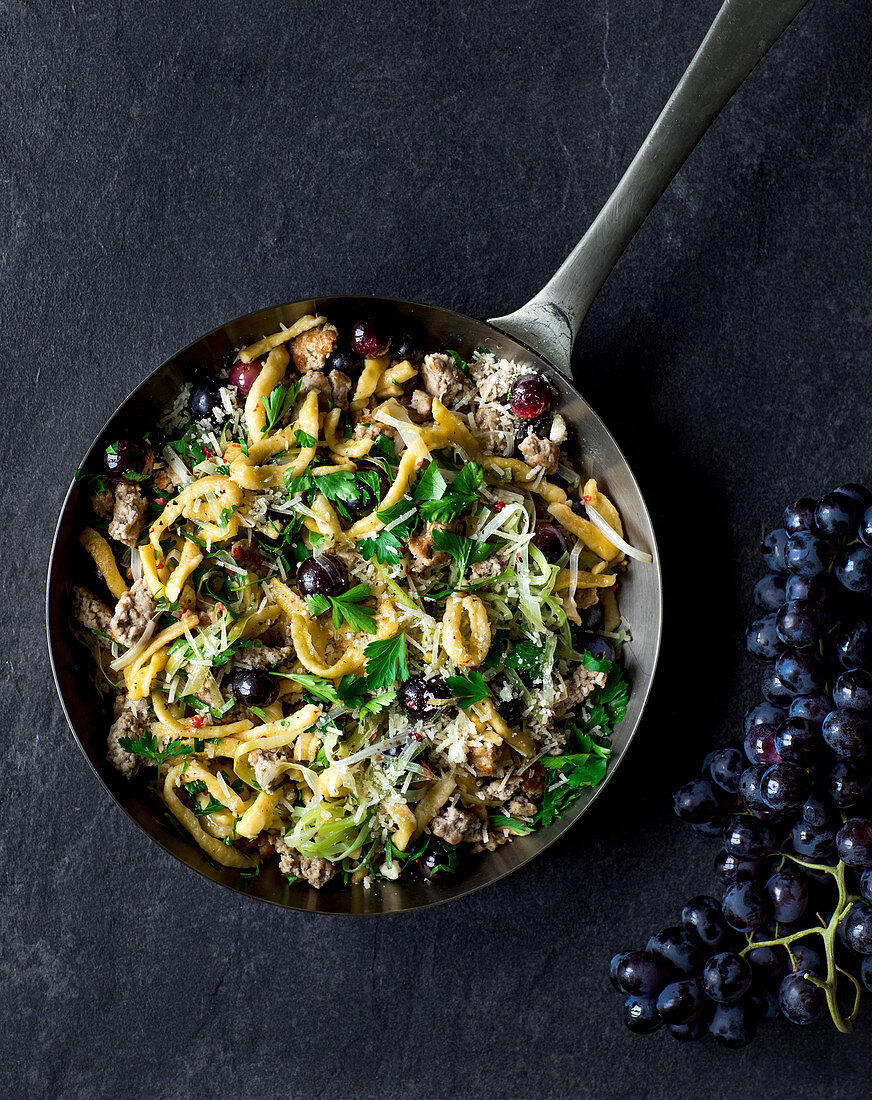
[171, 165]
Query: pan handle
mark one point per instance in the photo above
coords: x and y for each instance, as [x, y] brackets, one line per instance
[741, 34]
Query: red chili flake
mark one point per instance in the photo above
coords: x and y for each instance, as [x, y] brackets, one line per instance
[178, 614]
[221, 607]
[237, 552]
[197, 721]
[160, 500]
[586, 500]
[498, 506]
[207, 453]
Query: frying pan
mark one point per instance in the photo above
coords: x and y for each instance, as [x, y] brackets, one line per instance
[541, 335]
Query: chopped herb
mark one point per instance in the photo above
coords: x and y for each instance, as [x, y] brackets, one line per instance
[467, 689]
[464, 551]
[431, 484]
[519, 828]
[304, 440]
[384, 445]
[146, 746]
[345, 608]
[462, 492]
[378, 703]
[387, 546]
[458, 362]
[339, 488]
[277, 404]
[386, 661]
[527, 659]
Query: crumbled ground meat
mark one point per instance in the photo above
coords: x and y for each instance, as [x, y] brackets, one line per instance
[579, 685]
[441, 377]
[522, 808]
[421, 402]
[498, 790]
[493, 382]
[586, 597]
[166, 479]
[421, 549]
[341, 386]
[264, 656]
[310, 349]
[538, 452]
[490, 567]
[91, 613]
[103, 503]
[494, 840]
[133, 613]
[130, 721]
[318, 381]
[264, 764]
[484, 759]
[316, 872]
[453, 825]
[130, 509]
[367, 428]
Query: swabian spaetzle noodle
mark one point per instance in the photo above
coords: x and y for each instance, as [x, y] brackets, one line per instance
[451, 684]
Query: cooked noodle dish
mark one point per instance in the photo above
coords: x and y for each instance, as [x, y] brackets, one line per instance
[353, 608]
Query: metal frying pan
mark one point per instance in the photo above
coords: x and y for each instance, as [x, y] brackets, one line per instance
[540, 334]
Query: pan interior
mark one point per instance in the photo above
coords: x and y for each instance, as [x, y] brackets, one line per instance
[590, 443]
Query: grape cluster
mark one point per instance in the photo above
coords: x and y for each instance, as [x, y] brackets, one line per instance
[791, 803]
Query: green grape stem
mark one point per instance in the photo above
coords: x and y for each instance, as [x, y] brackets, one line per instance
[827, 932]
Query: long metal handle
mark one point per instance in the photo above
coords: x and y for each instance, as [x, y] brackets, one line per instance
[741, 34]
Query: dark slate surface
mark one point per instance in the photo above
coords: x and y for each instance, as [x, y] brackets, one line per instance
[170, 165]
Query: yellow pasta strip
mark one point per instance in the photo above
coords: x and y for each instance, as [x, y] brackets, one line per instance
[420, 439]
[308, 422]
[351, 661]
[258, 622]
[366, 384]
[191, 557]
[585, 580]
[222, 853]
[272, 372]
[523, 475]
[604, 506]
[261, 347]
[369, 524]
[104, 559]
[154, 574]
[326, 520]
[344, 448]
[166, 636]
[432, 802]
[519, 740]
[208, 497]
[583, 529]
[456, 431]
[258, 815]
[463, 653]
[223, 793]
[391, 382]
[405, 821]
[288, 601]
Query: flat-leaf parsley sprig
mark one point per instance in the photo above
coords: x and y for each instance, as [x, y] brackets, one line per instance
[345, 608]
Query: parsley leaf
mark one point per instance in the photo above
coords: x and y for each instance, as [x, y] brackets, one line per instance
[467, 689]
[146, 746]
[526, 658]
[386, 661]
[303, 439]
[384, 446]
[519, 828]
[386, 546]
[464, 551]
[345, 608]
[340, 488]
[211, 806]
[277, 404]
[378, 703]
[458, 362]
[318, 604]
[431, 484]
[461, 494]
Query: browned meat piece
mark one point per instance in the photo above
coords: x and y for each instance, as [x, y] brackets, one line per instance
[485, 759]
[130, 721]
[421, 549]
[538, 452]
[490, 567]
[310, 349]
[533, 779]
[265, 656]
[522, 808]
[130, 509]
[264, 764]
[579, 685]
[103, 502]
[133, 613]
[586, 597]
[167, 480]
[318, 381]
[421, 402]
[367, 428]
[441, 377]
[91, 613]
[341, 385]
[453, 825]
[316, 872]
[494, 382]
[494, 418]
[498, 790]
[494, 841]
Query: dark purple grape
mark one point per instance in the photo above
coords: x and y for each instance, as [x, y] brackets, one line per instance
[864, 528]
[748, 837]
[762, 638]
[410, 340]
[784, 787]
[814, 842]
[678, 949]
[851, 645]
[854, 843]
[773, 550]
[812, 708]
[853, 568]
[511, 711]
[749, 787]
[764, 714]
[774, 689]
[726, 977]
[865, 973]
[592, 617]
[746, 907]
[837, 514]
[689, 1033]
[866, 885]
[858, 928]
[769, 962]
[788, 893]
[253, 687]
[814, 590]
[799, 741]
[433, 867]
[799, 623]
[858, 493]
[712, 828]
[818, 811]
[759, 745]
[807, 554]
[726, 767]
[806, 959]
[848, 733]
[733, 1025]
[696, 801]
[126, 456]
[853, 690]
[800, 1000]
[638, 972]
[799, 516]
[550, 541]
[681, 1002]
[364, 501]
[421, 698]
[801, 671]
[322, 576]
[763, 1001]
[601, 649]
[769, 592]
[613, 967]
[703, 916]
[530, 397]
[848, 783]
[205, 401]
[369, 338]
[243, 376]
[346, 362]
[641, 1015]
[732, 869]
